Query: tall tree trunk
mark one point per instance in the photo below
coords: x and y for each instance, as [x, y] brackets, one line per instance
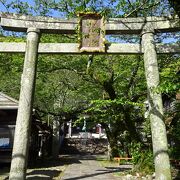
[113, 150]
[130, 125]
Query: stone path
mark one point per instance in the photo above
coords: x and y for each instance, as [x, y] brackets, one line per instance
[86, 167]
[71, 167]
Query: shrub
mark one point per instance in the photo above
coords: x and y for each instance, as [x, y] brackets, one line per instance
[142, 158]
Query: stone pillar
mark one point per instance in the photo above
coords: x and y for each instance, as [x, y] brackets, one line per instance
[23, 122]
[100, 130]
[158, 129]
[70, 129]
[56, 138]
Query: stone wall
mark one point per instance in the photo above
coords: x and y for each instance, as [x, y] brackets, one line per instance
[80, 145]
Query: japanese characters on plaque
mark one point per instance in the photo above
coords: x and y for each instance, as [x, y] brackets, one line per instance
[91, 33]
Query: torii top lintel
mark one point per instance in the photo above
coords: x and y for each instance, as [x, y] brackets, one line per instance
[20, 23]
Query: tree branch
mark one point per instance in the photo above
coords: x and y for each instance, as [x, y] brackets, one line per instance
[7, 9]
[134, 73]
[63, 114]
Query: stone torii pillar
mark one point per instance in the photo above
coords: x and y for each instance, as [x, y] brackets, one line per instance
[23, 122]
[158, 129]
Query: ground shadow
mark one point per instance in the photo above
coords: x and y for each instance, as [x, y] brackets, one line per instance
[119, 168]
[99, 172]
[61, 161]
[43, 174]
[85, 157]
[4, 168]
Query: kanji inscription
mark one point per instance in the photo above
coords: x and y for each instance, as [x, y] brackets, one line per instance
[91, 33]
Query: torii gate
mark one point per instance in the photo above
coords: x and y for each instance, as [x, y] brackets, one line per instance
[146, 27]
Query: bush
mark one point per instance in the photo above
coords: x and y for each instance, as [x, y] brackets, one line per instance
[142, 158]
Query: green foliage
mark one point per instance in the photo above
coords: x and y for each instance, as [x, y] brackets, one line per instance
[174, 133]
[170, 80]
[60, 86]
[135, 149]
[142, 158]
[11, 39]
[10, 73]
